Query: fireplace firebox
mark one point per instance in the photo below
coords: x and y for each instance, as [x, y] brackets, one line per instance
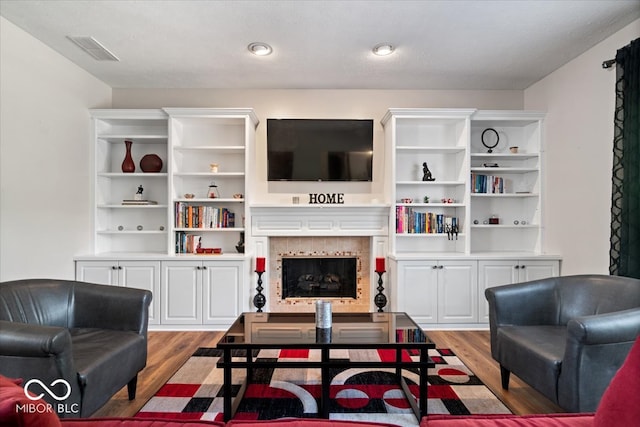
[319, 277]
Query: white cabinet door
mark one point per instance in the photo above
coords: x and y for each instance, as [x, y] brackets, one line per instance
[534, 270]
[143, 275]
[457, 292]
[100, 272]
[494, 273]
[221, 286]
[504, 272]
[418, 290]
[181, 292]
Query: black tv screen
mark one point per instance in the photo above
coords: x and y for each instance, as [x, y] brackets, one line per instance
[319, 149]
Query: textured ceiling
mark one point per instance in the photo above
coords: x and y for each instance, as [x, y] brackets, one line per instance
[481, 44]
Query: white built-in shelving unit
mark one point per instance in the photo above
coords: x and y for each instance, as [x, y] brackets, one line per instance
[201, 137]
[439, 138]
[135, 245]
[122, 228]
[518, 209]
[440, 278]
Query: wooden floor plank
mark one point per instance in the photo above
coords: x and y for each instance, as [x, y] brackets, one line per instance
[167, 351]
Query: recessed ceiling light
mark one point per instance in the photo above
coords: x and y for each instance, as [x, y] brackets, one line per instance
[259, 48]
[383, 49]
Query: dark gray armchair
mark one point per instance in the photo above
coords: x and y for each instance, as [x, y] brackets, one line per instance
[93, 337]
[565, 336]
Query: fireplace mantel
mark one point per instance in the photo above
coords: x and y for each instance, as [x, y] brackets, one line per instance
[320, 220]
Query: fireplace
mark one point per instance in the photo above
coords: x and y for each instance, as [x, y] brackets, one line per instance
[319, 277]
[295, 284]
[357, 232]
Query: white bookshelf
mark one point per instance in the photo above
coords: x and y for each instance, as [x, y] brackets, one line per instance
[200, 137]
[122, 228]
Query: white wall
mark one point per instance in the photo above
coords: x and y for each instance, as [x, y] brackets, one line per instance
[45, 211]
[579, 100]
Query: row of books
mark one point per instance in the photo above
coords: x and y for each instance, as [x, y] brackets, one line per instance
[409, 335]
[190, 216]
[187, 243]
[487, 184]
[414, 222]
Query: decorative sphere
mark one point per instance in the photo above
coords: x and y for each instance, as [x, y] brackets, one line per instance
[151, 163]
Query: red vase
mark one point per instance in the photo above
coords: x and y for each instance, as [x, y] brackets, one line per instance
[127, 164]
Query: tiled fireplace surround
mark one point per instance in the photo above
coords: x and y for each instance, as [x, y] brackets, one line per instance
[320, 231]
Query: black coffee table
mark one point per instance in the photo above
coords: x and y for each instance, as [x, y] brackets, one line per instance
[256, 331]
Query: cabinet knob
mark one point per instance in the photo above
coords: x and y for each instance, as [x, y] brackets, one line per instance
[113, 267]
[434, 267]
[516, 267]
[119, 267]
[204, 267]
[198, 267]
[440, 267]
[523, 266]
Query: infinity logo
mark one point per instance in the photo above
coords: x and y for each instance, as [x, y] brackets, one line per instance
[47, 389]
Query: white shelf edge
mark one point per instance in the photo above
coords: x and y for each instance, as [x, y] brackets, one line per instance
[208, 200]
[224, 229]
[201, 257]
[141, 137]
[210, 174]
[504, 195]
[435, 205]
[517, 156]
[442, 150]
[504, 226]
[426, 235]
[121, 206]
[132, 175]
[129, 232]
[503, 169]
[237, 148]
[431, 183]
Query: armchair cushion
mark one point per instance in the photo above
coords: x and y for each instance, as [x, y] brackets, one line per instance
[96, 366]
[534, 352]
[619, 404]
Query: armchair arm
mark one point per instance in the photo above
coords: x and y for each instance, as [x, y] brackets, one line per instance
[30, 340]
[607, 328]
[28, 350]
[596, 348]
[111, 307]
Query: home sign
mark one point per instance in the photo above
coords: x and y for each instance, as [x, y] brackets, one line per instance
[328, 198]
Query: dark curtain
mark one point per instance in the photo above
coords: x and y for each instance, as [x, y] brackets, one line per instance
[625, 202]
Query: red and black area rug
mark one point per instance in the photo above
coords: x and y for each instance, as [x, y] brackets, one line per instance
[195, 390]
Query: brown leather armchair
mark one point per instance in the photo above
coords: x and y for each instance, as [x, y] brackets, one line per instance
[92, 337]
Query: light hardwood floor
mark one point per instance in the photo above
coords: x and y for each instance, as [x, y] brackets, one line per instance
[169, 350]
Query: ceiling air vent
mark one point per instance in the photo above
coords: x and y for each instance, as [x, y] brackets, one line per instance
[93, 48]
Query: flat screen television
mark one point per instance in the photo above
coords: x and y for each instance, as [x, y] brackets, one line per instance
[319, 149]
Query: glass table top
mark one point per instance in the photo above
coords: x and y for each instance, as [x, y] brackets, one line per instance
[347, 329]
